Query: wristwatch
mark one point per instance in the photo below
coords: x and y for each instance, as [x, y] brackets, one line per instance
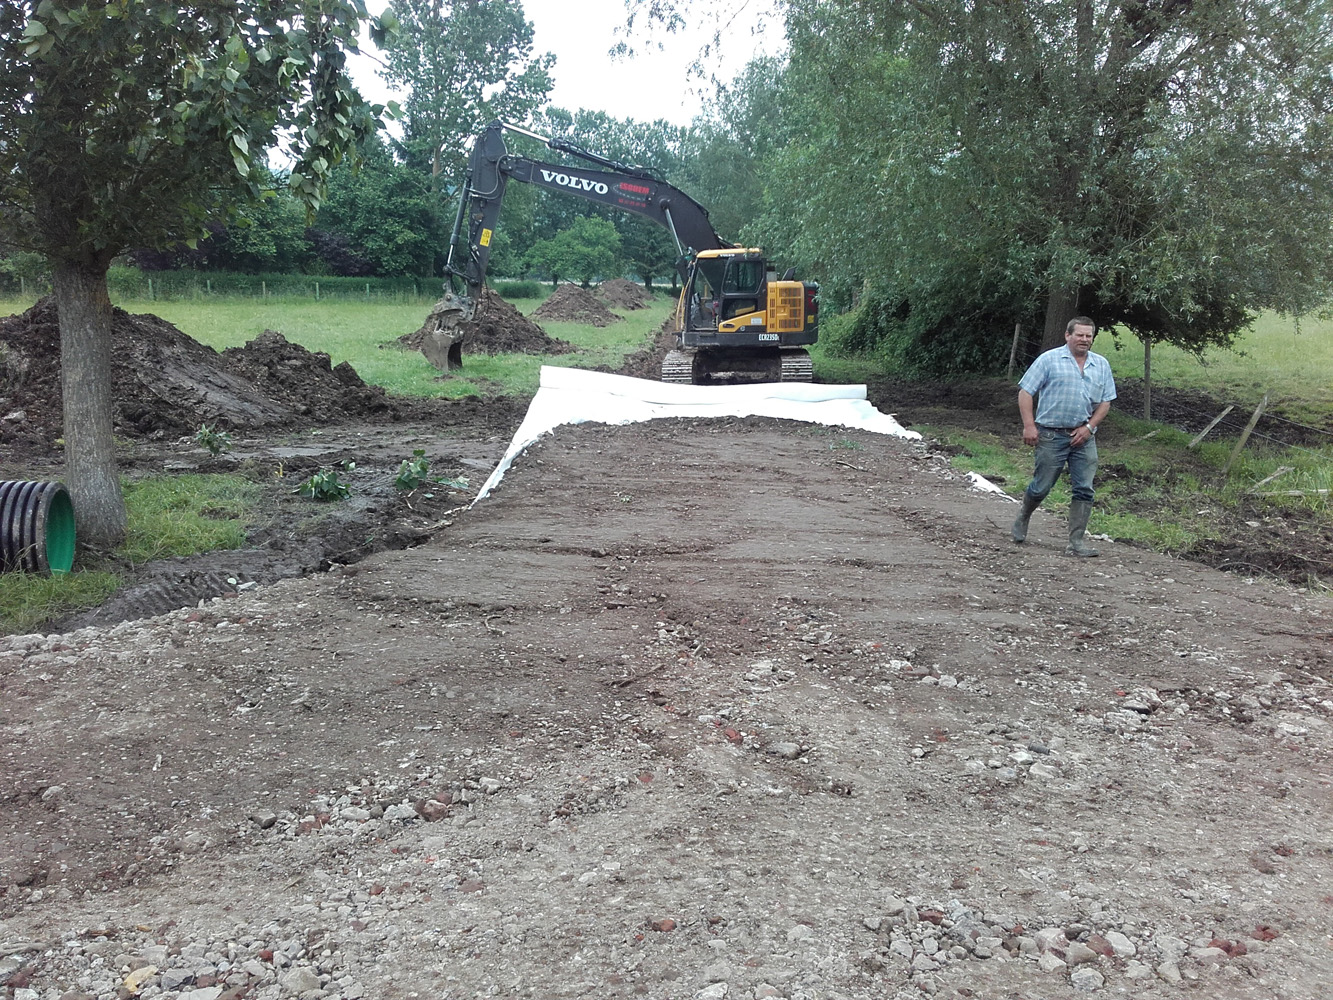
[1088, 424]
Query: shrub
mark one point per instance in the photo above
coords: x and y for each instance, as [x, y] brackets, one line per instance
[214, 440]
[325, 485]
[520, 289]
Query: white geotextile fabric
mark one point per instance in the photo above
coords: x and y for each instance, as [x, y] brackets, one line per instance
[575, 396]
[983, 485]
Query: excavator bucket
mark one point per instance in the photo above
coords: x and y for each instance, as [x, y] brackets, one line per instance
[442, 334]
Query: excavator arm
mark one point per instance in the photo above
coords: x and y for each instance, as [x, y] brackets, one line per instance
[627, 188]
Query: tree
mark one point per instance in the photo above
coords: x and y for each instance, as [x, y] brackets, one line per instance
[646, 248]
[384, 214]
[1154, 163]
[134, 123]
[1132, 151]
[266, 237]
[588, 249]
[464, 62]
[738, 130]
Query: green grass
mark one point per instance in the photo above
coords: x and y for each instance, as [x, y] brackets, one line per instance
[1288, 360]
[27, 601]
[183, 515]
[168, 516]
[355, 332]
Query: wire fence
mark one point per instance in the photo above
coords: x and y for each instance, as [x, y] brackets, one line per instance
[130, 283]
[1306, 430]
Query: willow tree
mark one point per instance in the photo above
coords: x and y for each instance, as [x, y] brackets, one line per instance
[1155, 163]
[134, 123]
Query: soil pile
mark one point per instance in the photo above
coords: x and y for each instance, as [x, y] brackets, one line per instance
[572, 304]
[618, 293]
[496, 327]
[165, 384]
[306, 381]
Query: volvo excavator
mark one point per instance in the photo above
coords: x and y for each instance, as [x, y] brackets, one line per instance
[734, 317]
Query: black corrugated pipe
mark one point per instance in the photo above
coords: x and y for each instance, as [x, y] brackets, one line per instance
[36, 528]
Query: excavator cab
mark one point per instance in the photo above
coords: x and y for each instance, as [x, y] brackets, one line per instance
[724, 288]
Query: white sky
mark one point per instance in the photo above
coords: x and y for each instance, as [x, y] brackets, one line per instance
[646, 87]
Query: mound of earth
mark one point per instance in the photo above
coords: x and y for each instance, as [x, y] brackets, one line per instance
[572, 304]
[306, 381]
[620, 293]
[166, 384]
[496, 327]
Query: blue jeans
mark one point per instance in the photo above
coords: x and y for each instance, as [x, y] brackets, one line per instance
[1053, 454]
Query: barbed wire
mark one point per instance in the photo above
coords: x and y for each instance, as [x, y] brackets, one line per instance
[1205, 415]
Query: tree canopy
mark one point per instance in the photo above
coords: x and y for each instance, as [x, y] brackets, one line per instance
[463, 63]
[588, 249]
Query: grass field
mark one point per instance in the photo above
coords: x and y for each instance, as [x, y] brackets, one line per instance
[1291, 362]
[354, 332]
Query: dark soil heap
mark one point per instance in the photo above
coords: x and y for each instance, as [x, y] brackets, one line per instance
[496, 327]
[165, 384]
[618, 293]
[306, 381]
[572, 304]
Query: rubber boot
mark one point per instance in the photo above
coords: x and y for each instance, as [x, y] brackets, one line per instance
[1079, 512]
[1020, 529]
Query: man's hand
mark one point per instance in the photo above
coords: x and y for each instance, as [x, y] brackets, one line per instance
[1079, 435]
[1029, 418]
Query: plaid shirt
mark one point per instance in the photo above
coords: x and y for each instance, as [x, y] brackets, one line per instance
[1066, 397]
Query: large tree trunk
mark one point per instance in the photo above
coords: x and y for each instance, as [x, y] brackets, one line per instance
[85, 384]
[1061, 307]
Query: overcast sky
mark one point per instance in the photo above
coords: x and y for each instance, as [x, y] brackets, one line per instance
[649, 86]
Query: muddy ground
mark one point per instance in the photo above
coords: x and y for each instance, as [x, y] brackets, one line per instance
[690, 709]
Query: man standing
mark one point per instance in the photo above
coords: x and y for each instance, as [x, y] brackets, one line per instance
[1073, 389]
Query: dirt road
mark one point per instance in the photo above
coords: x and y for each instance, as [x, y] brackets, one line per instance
[737, 709]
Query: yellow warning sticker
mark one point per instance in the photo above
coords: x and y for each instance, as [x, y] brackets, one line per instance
[485, 237]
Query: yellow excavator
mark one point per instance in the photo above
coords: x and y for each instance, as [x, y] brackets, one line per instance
[735, 315]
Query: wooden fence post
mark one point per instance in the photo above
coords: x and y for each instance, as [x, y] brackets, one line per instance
[1147, 380]
[1013, 349]
[1216, 420]
[1245, 434]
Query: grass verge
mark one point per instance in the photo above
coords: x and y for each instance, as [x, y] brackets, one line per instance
[168, 516]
